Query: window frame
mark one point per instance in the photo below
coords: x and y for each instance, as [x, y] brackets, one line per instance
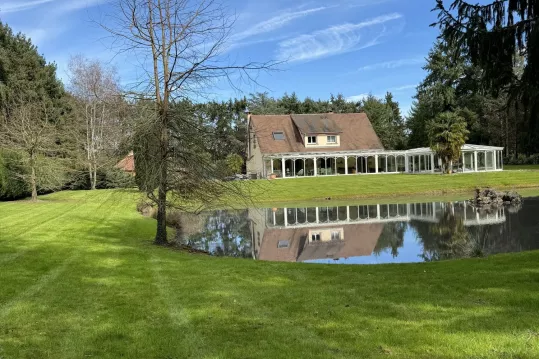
[331, 142]
[284, 243]
[316, 237]
[278, 133]
[338, 235]
[309, 140]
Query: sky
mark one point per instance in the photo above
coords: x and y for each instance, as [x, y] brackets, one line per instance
[353, 47]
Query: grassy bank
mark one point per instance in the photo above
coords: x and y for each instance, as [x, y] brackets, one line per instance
[522, 167]
[80, 279]
[386, 186]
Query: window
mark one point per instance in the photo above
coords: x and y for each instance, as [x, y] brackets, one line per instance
[282, 244]
[278, 136]
[311, 140]
[335, 235]
[332, 139]
[315, 237]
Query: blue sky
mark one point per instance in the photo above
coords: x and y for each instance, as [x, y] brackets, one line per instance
[353, 47]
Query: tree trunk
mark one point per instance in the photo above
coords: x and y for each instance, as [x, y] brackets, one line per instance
[161, 235]
[94, 179]
[33, 182]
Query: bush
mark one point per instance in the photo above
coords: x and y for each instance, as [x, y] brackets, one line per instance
[106, 179]
[522, 159]
[11, 186]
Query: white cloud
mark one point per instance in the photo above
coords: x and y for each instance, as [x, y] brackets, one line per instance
[15, 6]
[276, 22]
[60, 6]
[74, 5]
[402, 88]
[334, 40]
[357, 98]
[392, 64]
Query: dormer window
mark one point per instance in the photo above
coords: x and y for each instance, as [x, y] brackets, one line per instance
[311, 140]
[332, 139]
[278, 136]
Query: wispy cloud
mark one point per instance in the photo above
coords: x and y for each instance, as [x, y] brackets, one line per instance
[276, 22]
[74, 5]
[357, 98]
[402, 88]
[392, 64]
[334, 40]
[60, 6]
[15, 6]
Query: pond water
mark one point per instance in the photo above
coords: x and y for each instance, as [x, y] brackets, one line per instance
[364, 234]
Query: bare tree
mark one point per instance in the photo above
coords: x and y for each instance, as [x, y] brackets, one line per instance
[96, 88]
[30, 133]
[183, 41]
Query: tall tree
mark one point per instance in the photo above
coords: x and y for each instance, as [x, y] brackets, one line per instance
[496, 35]
[184, 41]
[31, 132]
[96, 88]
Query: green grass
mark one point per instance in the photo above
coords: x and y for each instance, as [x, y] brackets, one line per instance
[522, 167]
[385, 186]
[79, 278]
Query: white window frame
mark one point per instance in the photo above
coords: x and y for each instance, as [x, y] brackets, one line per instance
[316, 237]
[283, 244]
[333, 137]
[309, 140]
[278, 133]
[338, 235]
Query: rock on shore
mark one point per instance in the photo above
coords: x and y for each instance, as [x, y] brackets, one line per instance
[491, 197]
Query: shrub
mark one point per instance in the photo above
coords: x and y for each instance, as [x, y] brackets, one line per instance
[11, 186]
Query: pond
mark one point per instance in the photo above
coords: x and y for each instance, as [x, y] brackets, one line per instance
[364, 234]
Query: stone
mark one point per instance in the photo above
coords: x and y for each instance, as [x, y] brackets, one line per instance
[489, 197]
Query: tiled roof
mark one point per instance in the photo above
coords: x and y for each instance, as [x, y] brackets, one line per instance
[315, 124]
[359, 240]
[356, 130]
[128, 163]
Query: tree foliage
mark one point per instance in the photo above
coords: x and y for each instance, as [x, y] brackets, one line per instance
[497, 37]
[447, 134]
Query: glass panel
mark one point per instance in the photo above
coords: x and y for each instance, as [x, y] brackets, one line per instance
[299, 167]
[382, 164]
[490, 160]
[289, 168]
[341, 166]
[401, 164]
[301, 215]
[481, 161]
[391, 164]
[309, 167]
[351, 163]
[354, 212]
[311, 214]
[278, 167]
[371, 165]
[363, 212]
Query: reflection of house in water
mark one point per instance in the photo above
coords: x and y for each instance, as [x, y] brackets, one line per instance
[302, 234]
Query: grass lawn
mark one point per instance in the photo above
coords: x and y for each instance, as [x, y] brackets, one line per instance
[522, 167]
[80, 279]
[385, 186]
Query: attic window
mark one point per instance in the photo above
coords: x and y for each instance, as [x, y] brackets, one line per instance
[282, 244]
[278, 136]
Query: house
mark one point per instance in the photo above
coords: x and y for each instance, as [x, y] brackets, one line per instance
[329, 144]
[127, 164]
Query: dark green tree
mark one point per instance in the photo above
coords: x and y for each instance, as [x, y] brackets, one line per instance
[495, 36]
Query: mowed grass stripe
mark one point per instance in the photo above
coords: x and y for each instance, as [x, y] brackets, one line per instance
[117, 297]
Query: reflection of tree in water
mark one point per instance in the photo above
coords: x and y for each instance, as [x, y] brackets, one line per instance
[392, 237]
[221, 233]
[451, 239]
